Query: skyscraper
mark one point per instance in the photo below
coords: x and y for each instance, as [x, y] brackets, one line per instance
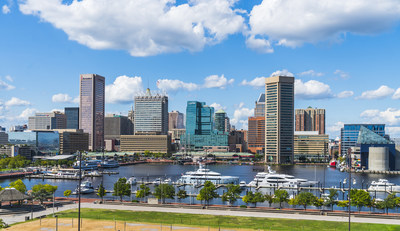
[256, 135]
[151, 114]
[310, 119]
[72, 114]
[47, 120]
[220, 116]
[91, 109]
[350, 132]
[175, 120]
[259, 110]
[279, 124]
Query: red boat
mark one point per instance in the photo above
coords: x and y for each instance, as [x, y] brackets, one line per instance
[332, 164]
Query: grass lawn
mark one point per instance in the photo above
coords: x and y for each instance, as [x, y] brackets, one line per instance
[220, 221]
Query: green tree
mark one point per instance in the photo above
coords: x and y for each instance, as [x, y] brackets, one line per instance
[42, 192]
[388, 203]
[207, 193]
[101, 192]
[232, 194]
[318, 202]
[182, 194]
[143, 192]
[343, 204]
[269, 199]
[3, 224]
[1, 188]
[253, 198]
[331, 199]
[121, 188]
[281, 196]
[18, 185]
[360, 198]
[292, 202]
[67, 193]
[164, 191]
[304, 199]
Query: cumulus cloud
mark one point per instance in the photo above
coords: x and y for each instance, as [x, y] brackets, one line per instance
[64, 98]
[5, 86]
[396, 94]
[258, 44]
[217, 106]
[394, 132]
[124, 89]
[142, 27]
[311, 73]
[240, 116]
[27, 112]
[283, 72]
[342, 74]
[390, 116]
[257, 82]
[215, 81]
[312, 89]
[312, 21]
[334, 129]
[5, 9]
[170, 85]
[380, 93]
[345, 94]
[14, 101]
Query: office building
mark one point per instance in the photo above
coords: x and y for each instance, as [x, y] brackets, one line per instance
[42, 142]
[91, 109]
[311, 145]
[237, 141]
[142, 143]
[3, 138]
[310, 119]
[72, 114]
[259, 110]
[151, 114]
[220, 117]
[18, 128]
[256, 135]
[17, 150]
[279, 119]
[73, 140]
[2, 129]
[114, 127]
[175, 120]
[47, 120]
[349, 134]
[227, 125]
[131, 117]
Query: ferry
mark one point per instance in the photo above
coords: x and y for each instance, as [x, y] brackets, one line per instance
[109, 164]
[87, 164]
[201, 175]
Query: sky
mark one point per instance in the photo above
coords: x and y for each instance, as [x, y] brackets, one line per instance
[344, 55]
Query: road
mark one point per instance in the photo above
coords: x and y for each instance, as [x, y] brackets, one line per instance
[11, 219]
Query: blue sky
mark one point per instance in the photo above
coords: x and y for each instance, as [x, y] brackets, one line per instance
[344, 55]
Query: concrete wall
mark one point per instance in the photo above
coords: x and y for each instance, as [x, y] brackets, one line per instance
[378, 159]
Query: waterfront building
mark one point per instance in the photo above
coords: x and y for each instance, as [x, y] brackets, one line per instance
[237, 141]
[259, 110]
[73, 140]
[349, 134]
[279, 119]
[220, 117]
[175, 120]
[114, 127]
[18, 128]
[151, 114]
[256, 135]
[142, 143]
[47, 120]
[42, 142]
[17, 150]
[91, 109]
[310, 145]
[310, 119]
[72, 114]
[3, 138]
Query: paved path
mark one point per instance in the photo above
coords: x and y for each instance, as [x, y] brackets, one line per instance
[10, 219]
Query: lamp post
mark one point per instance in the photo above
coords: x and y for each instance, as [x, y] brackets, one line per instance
[79, 190]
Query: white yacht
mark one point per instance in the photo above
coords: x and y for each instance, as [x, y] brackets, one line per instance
[109, 164]
[87, 165]
[131, 180]
[86, 187]
[383, 185]
[202, 175]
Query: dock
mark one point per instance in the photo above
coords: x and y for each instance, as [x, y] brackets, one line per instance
[14, 175]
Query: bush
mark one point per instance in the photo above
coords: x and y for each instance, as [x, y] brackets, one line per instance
[135, 201]
[243, 206]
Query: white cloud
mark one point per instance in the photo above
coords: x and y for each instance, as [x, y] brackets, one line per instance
[142, 27]
[14, 101]
[217, 106]
[311, 73]
[283, 72]
[394, 132]
[27, 112]
[312, 89]
[345, 94]
[380, 93]
[170, 85]
[334, 130]
[257, 82]
[5, 9]
[396, 95]
[215, 81]
[240, 116]
[124, 89]
[390, 116]
[9, 78]
[342, 74]
[5, 86]
[61, 98]
[258, 44]
[293, 23]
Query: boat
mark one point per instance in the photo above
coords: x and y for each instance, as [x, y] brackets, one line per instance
[332, 164]
[201, 175]
[157, 181]
[131, 180]
[242, 184]
[86, 187]
[87, 164]
[167, 181]
[383, 185]
[94, 173]
[109, 164]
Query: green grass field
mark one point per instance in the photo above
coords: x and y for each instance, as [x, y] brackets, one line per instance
[220, 221]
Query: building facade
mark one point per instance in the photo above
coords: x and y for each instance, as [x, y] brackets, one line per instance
[91, 109]
[349, 134]
[151, 114]
[311, 145]
[42, 142]
[142, 143]
[256, 135]
[310, 119]
[72, 115]
[47, 120]
[259, 110]
[73, 140]
[3, 138]
[220, 116]
[175, 120]
[279, 119]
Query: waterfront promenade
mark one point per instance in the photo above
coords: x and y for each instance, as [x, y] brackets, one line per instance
[14, 218]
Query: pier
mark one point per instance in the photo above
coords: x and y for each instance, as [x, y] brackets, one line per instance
[14, 175]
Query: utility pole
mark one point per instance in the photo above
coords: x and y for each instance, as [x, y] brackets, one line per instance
[79, 190]
[349, 158]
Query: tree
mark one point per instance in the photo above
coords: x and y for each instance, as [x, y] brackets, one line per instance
[121, 188]
[1, 188]
[232, 193]
[331, 199]
[207, 193]
[43, 191]
[3, 224]
[305, 199]
[269, 199]
[101, 192]
[143, 192]
[164, 191]
[388, 203]
[281, 196]
[18, 185]
[67, 193]
[343, 204]
[360, 198]
[318, 202]
[182, 194]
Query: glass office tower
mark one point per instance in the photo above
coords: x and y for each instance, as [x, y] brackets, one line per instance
[72, 114]
[349, 134]
[91, 109]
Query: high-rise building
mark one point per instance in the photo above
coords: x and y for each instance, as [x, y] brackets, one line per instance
[47, 120]
[310, 145]
[279, 119]
[175, 120]
[349, 134]
[131, 117]
[72, 114]
[256, 135]
[151, 114]
[259, 110]
[115, 126]
[3, 138]
[227, 124]
[91, 109]
[310, 119]
[220, 117]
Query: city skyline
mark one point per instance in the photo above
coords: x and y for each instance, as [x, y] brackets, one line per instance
[347, 68]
